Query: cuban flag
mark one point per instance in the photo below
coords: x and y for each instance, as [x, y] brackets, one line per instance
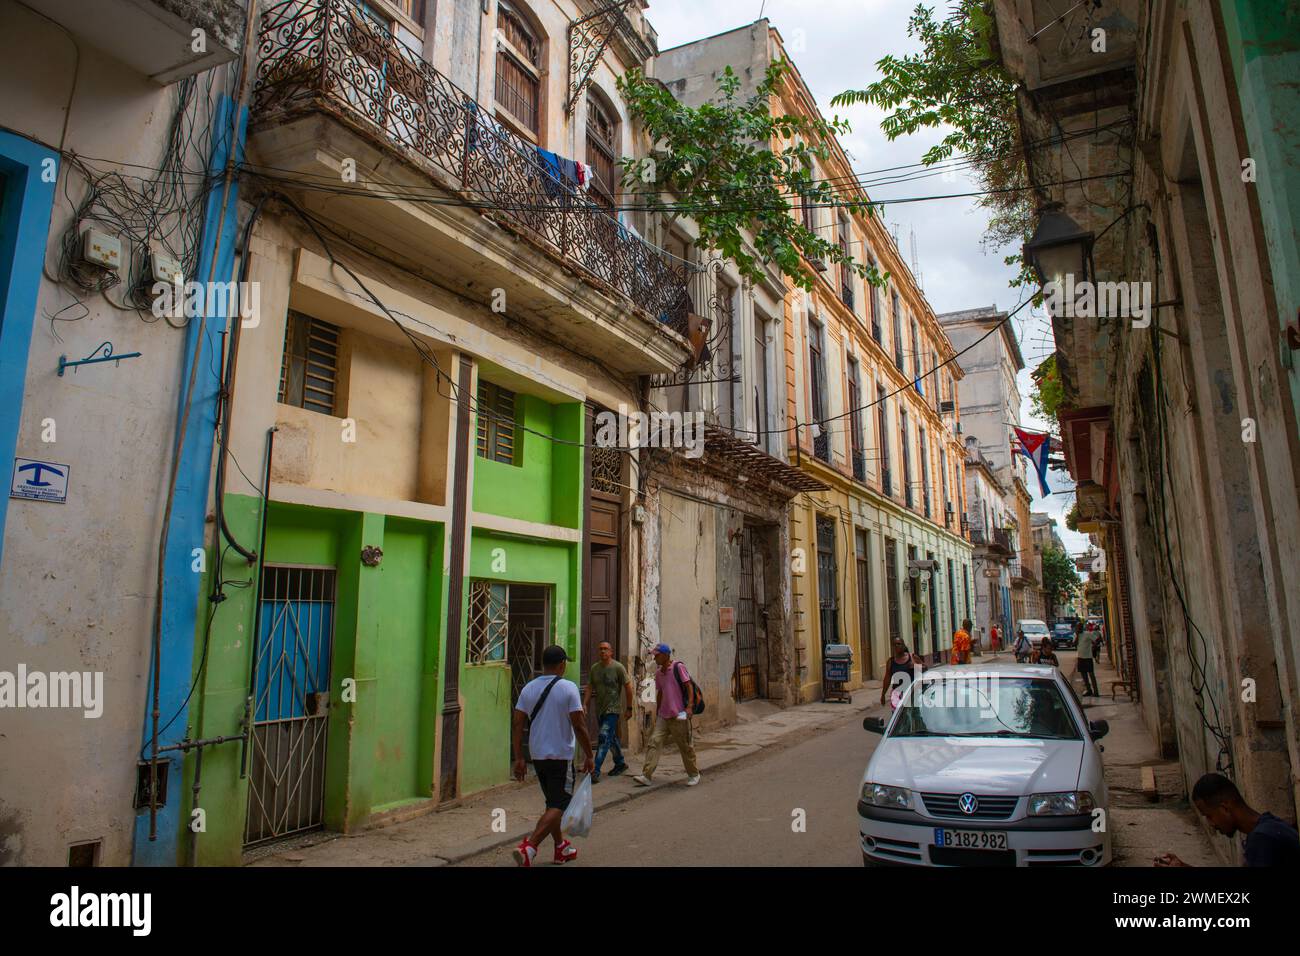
[1035, 446]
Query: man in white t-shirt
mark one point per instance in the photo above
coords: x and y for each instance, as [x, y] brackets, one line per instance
[551, 708]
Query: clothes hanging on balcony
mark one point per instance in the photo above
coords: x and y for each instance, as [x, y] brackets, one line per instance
[563, 172]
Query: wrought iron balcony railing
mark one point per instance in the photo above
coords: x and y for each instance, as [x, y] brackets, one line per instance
[328, 55]
[859, 466]
[822, 446]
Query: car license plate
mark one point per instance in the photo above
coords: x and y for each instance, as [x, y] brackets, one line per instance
[970, 839]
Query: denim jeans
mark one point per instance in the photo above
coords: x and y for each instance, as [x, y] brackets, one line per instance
[608, 740]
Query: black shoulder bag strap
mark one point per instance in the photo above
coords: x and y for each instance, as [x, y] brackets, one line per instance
[541, 700]
[688, 700]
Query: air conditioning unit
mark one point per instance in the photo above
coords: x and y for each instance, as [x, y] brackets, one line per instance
[946, 406]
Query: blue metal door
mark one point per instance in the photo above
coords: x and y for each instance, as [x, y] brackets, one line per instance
[291, 679]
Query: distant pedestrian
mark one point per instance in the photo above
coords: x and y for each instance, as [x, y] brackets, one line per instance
[612, 685]
[1022, 647]
[674, 704]
[1044, 654]
[902, 667]
[1269, 841]
[551, 708]
[1087, 639]
[961, 644]
[995, 639]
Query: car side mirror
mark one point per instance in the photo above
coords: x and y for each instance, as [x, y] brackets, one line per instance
[1098, 729]
[874, 724]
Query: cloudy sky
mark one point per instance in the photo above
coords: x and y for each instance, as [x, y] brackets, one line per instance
[836, 44]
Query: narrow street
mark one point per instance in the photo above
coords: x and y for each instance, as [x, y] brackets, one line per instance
[741, 814]
[745, 813]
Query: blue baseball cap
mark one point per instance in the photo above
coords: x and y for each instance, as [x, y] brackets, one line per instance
[662, 649]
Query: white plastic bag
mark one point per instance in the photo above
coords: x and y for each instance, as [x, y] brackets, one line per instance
[576, 821]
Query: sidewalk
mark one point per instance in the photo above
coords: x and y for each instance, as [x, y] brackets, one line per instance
[459, 832]
[1141, 828]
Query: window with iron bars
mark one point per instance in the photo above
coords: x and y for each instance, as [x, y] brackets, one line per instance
[907, 460]
[817, 386]
[882, 439]
[489, 622]
[496, 424]
[898, 333]
[309, 368]
[875, 310]
[855, 423]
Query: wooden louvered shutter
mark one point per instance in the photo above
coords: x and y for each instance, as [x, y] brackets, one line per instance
[496, 423]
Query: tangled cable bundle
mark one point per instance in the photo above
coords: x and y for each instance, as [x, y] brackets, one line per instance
[164, 210]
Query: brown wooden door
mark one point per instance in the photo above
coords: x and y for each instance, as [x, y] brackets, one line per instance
[601, 622]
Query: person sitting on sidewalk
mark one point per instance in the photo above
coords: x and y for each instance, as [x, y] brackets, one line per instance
[675, 701]
[1269, 841]
[611, 682]
[553, 711]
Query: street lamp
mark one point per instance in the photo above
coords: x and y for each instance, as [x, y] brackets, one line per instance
[1059, 247]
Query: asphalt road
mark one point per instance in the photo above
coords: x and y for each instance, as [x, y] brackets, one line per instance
[739, 815]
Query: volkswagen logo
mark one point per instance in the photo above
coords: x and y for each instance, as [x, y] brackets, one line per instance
[968, 803]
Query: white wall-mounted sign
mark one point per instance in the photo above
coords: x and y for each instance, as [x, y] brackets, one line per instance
[39, 480]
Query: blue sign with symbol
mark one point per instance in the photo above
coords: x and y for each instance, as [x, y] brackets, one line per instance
[39, 480]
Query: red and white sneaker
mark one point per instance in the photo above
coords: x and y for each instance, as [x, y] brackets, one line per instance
[525, 853]
[565, 852]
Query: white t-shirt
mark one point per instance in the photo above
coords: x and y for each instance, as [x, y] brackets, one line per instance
[551, 734]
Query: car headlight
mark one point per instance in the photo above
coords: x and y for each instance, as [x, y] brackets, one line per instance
[879, 795]
[1058, 804]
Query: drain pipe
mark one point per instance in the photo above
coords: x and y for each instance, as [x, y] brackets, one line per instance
[257, 602]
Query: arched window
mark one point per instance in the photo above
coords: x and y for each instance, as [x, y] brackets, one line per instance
[519, 63]
[602, 150]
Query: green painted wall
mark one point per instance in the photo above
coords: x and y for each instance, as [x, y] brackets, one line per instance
[1264, 44]
[485, 754]
[546, 485]
[387, 632]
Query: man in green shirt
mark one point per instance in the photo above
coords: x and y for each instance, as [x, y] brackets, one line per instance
[611, 683]
[1086, 669]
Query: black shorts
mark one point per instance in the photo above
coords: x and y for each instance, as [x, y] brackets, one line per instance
[556, 779]
[1085, 665]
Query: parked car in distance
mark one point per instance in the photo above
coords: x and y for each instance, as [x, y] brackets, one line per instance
[1063, 635]
[987, 767]
[1033, 629]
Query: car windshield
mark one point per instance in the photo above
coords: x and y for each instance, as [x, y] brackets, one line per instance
[986, 705]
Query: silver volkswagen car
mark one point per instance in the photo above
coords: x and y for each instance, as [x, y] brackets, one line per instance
[986, 766]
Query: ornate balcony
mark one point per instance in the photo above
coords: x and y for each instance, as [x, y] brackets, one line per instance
[333, 85]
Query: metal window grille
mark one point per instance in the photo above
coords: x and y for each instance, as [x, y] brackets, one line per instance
[291, 697]
[891, 587]
[309, 368]
[496, 424]
[489, 622]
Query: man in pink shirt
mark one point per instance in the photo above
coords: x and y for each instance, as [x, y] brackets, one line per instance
[675, 699]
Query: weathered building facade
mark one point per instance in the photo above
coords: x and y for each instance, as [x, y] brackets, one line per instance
[868, 407]
[111, 121]
[1180, 423]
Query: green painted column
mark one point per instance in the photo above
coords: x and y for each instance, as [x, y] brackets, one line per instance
[351, 759]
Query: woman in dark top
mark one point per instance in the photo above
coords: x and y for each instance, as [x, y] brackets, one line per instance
[902, 662]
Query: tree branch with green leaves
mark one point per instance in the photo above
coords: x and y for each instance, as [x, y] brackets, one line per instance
[957, 84]
[741, 172]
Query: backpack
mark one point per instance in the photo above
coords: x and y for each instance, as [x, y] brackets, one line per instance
[699, 694]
